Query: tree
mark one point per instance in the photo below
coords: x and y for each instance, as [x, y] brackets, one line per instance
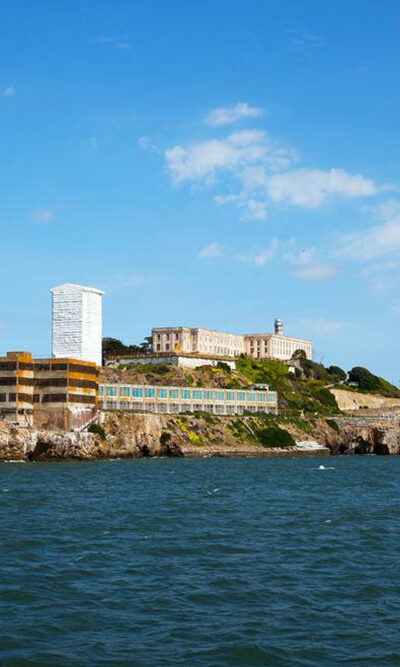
[373, 383]
[113, 346]
[147, 345]
[299, 354]
[338, 372]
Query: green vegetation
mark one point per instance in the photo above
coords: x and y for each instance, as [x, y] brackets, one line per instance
[337, 373]
[374, 384]
[165, 437]
[274, 436]
[157, 369]
[333, 424]
[295, 393]
[97, 430]
[113, 346]
[224, 367]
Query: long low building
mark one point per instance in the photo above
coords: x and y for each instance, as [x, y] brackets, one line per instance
[216, 344]
[172, 400]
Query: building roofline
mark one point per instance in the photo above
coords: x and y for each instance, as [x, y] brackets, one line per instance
[84, 288]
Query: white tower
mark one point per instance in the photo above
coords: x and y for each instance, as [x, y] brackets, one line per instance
[77, 322]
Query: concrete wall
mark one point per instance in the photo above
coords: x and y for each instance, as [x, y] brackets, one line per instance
[176, 360]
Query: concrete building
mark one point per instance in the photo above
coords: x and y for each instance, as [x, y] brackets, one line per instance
[77, 322]
[16, 388]
[197, 341]
[42, 392]
[217, 344]
[172, 400]
[276, 345]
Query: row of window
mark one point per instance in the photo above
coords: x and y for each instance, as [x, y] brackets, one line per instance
[116, 391]
[171, 408]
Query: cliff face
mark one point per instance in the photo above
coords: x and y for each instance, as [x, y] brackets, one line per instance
[353, 400]
[135, 435]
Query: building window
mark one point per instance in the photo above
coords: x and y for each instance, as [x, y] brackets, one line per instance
[136, 392]
[185, 393]
[162, 393]
[149, 393]
[124, 391]
[173, 393]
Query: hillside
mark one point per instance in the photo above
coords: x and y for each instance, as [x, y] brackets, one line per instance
[296, 395]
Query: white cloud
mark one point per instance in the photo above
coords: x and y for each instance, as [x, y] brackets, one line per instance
[42, 216]
[302, 41]
[211, 251]
[381, 267]
[203, 161]
[310, 188]
[298, 257]
[227, 116]
[321, 325]
[259, 174]
[303, 264]
[122, 281]
[377, 241]
[313, 271]
[118, 43]
[268, 253]
[92, 142]
[9, 91]
[253, 210]
[146, 144]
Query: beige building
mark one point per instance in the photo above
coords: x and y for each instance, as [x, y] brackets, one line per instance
[197, 341]
[169, 340]
[276, 345]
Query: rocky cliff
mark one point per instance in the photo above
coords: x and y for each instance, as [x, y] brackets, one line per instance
[136, 435]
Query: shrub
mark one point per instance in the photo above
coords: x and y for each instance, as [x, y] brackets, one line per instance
[165, 437]
[273, 436]
[97, 430]
[325, 397]
[224, 367]
[333, 424]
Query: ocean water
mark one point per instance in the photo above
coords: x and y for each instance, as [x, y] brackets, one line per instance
[201, 562]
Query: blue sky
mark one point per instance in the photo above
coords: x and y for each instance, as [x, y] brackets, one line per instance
[211, 164]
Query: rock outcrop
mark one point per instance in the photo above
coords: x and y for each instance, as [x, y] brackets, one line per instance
[129, 435]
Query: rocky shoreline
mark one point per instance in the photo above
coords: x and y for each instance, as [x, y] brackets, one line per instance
[124, 435]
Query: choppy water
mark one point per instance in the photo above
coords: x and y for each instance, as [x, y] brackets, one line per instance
[201, 562]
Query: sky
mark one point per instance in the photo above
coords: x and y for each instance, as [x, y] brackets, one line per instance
[215, 164]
